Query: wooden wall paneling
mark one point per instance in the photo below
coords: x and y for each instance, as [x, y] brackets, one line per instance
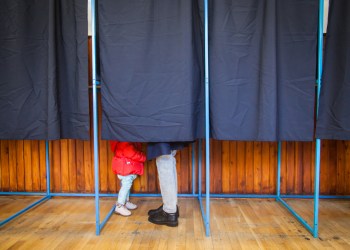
[347, 167]
[226, 171]
[298, 161]
[249, 167]
[273, 146]
[20, 166]
[340, 168]
[35, 166]
[192, 153]
[181, 171]
[330, 178]
[257, 167]
[5, 174]
[88, 167]
[324, 169]
[42, 164]
[28, 182]
[215, 166]
[203, 166]
[307, 165]
[290, 167]
[153, 184]
[138, 182]
[12, 166]
[313, 157]
[233, 178]
[51, 165]
[79, 155]
[56, 184]
[195, 188]
[284, 155]
[142, 182]
[64, 166]
[103, 165]
[241, 165]
[72, 166]
[265, 168]
[186, 167]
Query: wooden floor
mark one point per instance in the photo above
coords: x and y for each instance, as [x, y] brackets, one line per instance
[69, 223]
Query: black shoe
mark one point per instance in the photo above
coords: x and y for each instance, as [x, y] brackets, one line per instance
[155, 211]
[164, 218]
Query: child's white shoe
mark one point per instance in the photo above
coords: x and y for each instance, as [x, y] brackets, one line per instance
[122, 210]
[130, 205]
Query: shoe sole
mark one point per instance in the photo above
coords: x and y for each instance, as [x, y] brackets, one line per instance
[169, 224]
[132, 208]
[121, 214]
[155, 211]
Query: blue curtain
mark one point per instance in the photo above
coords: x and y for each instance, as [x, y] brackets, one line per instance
[334, 112]
[151, 73]
[44, 69]
[262, 69]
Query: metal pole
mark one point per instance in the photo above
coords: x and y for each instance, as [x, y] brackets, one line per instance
[207, 124]
[318, 141]
[279, 148]
[48, 175]
[95, 115]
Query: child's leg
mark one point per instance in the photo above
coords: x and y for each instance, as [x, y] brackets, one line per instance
[126, 183]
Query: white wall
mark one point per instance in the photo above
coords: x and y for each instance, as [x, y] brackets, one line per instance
[325, 21]
[89, 17]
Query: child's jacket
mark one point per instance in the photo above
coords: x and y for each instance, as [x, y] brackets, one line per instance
[128, 158]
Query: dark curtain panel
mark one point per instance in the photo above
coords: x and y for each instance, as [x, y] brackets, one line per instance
[151, 78]
[262, 69]
[43, 68]
[334, 111]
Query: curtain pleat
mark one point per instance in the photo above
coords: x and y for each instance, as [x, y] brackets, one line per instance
[334, 112]
[151, 73]
[262, 69]
[44, 69]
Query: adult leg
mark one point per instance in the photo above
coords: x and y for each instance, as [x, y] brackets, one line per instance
[166, 214]
[166, 167]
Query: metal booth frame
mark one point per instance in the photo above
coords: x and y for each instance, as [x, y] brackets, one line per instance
[205, 209]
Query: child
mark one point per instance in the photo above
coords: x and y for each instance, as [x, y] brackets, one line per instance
[127, 163]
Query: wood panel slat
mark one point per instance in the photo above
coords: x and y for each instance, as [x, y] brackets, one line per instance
[249, 167]
[42, 160]
[257, 167]
[56, 167]
[241, 167]
[307, 166]
[35, 166]
[20, 166]
[12, 165]
[79, 149]
[265, 168]
[5, 175]
[27, 156]
[226, 172]
[72, 166]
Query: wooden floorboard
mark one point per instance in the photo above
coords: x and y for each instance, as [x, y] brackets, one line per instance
[69, 223]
